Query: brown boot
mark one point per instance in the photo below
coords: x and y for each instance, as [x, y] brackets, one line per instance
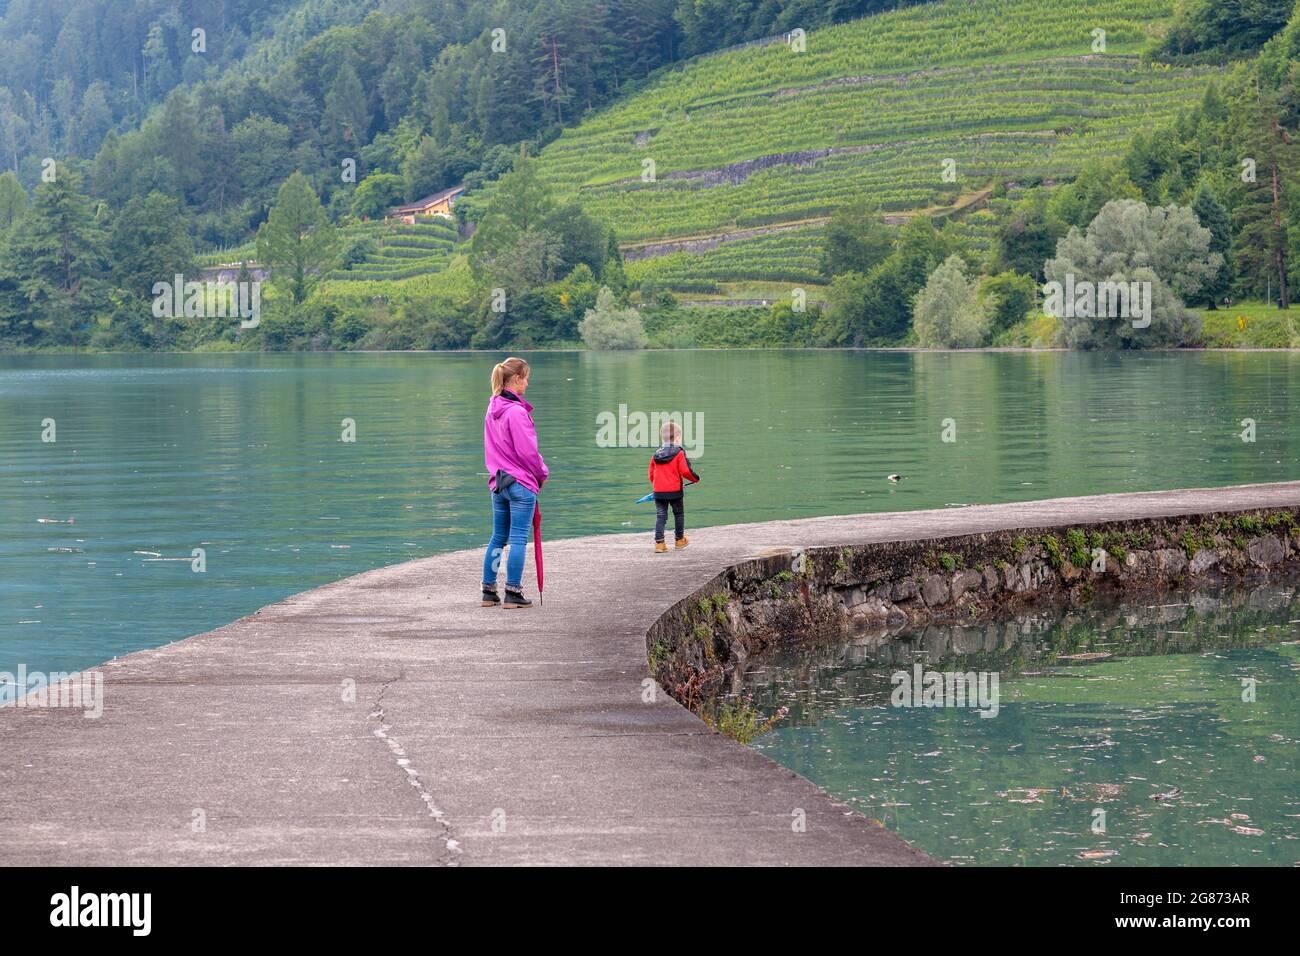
[681, 542]
[661, 548]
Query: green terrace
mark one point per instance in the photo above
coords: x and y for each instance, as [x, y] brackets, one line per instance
[769, 137]
[885, 140]
[789, 256]
[374, 250]
[395, 250]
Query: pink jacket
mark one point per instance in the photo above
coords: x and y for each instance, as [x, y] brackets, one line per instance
[510, 442]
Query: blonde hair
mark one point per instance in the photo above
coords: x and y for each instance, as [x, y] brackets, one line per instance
[505, 371]
[668, 431]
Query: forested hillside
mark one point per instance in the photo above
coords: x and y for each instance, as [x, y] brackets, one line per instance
[829, 162]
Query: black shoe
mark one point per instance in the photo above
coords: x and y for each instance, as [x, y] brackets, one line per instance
[515, 598]
[490, 598]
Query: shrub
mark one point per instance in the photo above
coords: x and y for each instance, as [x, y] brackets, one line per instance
[947, 312]
[608, 327]
[1130, 242]
[1006, 299]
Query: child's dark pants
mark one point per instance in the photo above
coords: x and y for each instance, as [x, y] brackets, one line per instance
[679, 517]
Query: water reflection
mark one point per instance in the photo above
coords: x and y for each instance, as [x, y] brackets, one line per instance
[1156, 732]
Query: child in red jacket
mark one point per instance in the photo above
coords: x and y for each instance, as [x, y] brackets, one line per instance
[669, 470]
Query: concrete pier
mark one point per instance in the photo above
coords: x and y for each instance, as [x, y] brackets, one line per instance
[388, 719]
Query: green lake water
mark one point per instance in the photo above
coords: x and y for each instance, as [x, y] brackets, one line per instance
[241, 455]
[1161, 732]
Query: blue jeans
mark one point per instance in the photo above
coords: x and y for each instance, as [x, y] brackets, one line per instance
[512, 518]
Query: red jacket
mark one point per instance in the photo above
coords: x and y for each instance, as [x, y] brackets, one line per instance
[669, 467]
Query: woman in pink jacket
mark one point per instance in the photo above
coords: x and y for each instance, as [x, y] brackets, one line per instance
[516, 474]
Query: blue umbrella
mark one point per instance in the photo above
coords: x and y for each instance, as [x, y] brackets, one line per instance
[641, 501]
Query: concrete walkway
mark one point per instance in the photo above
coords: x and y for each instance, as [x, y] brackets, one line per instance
[477, 736]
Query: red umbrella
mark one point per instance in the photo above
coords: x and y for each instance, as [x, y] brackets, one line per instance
[537, 547]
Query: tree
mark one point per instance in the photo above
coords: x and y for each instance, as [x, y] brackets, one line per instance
[583, 241]
[608, 327]
[1006, 299]
[1151, 163]
[14, 129]
[376, 194]
[856, 240]
[262, 148]
[55, 264]
[1261, 215]
[94, 119]
[513, 248]
[947, 312]
[13, 201]
[1028, 237]
[1164, 250]
[1227, 26]
[297, 242]
[346, 115]
[151, 242]
[612, 271]
[423, 171]
[876, 308]
[180, 144]
[1099, 182]
[784, 327]
[843, 319]
[1213, 215]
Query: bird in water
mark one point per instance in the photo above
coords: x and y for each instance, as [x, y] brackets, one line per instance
[894, 478]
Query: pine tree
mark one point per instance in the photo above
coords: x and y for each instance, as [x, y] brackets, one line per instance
[55, 263]
[13, 201]
[1213, 215]
[297, 242]
[151, 242]
[346, 115]
[1261, 215]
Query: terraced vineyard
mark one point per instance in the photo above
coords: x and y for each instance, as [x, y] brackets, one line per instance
[756, 138]
[396, 250]
[789, 256]
[231, 255]
[452, 284]
[400, 251]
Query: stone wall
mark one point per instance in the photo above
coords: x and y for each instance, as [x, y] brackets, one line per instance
[881, 590]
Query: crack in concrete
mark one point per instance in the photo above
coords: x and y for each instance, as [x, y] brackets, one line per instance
[450, 857]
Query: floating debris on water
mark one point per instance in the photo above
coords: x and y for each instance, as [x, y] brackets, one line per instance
[1031, 794]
